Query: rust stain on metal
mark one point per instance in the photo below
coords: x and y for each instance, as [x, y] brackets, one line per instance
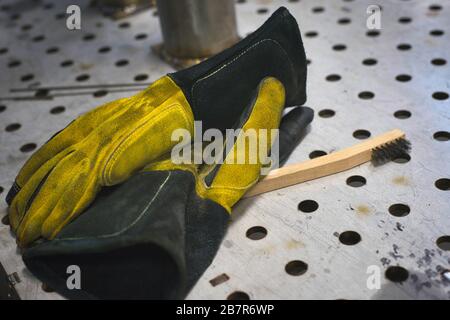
[401, 181]
[362, 209]
[294, 244]
[86, 66]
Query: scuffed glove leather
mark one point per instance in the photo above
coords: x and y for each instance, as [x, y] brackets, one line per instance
[101, 148]
[110, 143]
[153, 236]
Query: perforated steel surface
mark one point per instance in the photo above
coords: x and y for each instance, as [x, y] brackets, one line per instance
[414, 41]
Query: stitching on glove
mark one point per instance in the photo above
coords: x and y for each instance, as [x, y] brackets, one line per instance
[239, 56]
[129, 226]
[106, 174]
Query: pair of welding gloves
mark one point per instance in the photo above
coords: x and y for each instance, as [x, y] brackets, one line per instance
[156, 224]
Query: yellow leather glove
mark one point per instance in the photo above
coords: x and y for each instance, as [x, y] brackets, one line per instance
[225, 183]
[110, 143]
[101, 148]
[153, 236]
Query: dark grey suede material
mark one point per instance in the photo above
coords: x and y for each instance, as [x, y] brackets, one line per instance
[275, 49]
[292, 129]
[151, 237]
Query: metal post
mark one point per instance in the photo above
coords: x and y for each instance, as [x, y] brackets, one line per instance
[196, 29]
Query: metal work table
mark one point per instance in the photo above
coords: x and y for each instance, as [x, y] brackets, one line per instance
[374, 81]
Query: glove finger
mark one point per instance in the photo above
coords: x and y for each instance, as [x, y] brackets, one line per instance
[246, 157]
[58, 182]
[292, 129]
[147, 139]
[75, 199]
[25, 196]
[73, 133]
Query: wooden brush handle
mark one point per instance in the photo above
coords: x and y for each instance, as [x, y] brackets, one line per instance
[323, 166]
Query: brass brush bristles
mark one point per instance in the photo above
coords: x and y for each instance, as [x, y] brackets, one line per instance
[390, 151]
